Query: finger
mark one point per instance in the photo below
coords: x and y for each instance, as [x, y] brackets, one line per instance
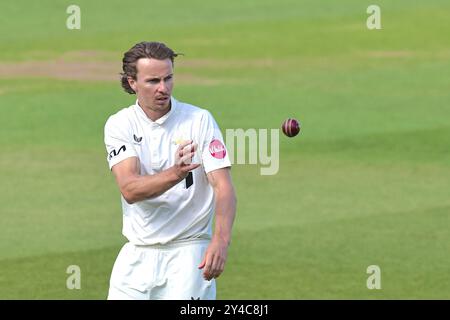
[181, 146]
[214, 271]
[207, 269]
[185, 168]
[189, 167]
[191, 148]
[187, 158]
[209, 277]
[218, 266]
[192, 166]
[215, 266]
[207, 273]
[202, 264]
[220, 270]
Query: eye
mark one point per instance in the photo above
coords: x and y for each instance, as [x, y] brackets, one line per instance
[153, 81]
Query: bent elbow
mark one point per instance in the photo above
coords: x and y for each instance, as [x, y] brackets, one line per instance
[128, 196]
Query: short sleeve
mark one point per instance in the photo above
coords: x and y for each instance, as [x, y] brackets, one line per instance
[213, 150]
[117, 142]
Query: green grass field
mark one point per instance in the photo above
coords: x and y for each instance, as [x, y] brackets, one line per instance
[365, 183]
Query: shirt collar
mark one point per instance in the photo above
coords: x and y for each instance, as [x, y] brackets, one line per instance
[160, 121]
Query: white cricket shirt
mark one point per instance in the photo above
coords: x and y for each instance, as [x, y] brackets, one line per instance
[186, 210]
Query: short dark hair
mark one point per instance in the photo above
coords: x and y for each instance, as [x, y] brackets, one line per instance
[155, 50]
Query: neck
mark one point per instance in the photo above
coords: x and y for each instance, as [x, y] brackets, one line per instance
[154, 114]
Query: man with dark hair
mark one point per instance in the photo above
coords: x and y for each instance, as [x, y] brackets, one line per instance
[173, 172]
[151, 50]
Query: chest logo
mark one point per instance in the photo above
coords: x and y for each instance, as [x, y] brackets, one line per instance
[137, 139]
[178, 141]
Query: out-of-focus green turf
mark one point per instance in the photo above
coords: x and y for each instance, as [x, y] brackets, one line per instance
[365, 183]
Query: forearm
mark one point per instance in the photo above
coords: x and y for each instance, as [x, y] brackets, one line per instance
[225, 203]
[139, 187]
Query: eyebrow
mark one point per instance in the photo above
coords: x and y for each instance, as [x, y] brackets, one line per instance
[158, 78]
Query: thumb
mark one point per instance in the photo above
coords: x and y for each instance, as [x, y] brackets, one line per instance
[193, 166]
[202, 264]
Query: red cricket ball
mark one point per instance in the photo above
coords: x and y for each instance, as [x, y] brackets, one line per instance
[290, 127]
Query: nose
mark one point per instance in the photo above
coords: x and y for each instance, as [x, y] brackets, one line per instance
[162, 86]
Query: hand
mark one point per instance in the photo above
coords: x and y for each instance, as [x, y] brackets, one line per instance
[214, 261]
[183, 159]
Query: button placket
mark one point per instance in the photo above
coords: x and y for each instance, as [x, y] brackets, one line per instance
[154, 146]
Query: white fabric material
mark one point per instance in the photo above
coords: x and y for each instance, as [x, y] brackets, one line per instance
[180, 213]
[161, 273]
